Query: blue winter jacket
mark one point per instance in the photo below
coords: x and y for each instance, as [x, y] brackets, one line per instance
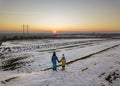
[54, 58]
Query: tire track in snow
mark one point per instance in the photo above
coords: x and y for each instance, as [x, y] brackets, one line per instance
[45, 47]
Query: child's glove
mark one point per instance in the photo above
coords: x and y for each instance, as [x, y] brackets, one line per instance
[59, 61]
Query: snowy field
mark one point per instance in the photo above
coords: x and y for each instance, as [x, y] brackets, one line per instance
[91, 62]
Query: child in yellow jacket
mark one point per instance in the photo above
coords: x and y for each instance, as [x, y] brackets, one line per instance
[63, 60]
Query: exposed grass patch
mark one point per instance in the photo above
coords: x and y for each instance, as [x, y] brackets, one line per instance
[101, 74]
[8, 80]
[84, 69]
[112, 76]
[1, 55]
[13, 63]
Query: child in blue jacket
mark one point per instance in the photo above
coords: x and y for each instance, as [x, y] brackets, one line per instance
[54, 61]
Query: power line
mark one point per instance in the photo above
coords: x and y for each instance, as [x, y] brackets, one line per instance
[25, 30]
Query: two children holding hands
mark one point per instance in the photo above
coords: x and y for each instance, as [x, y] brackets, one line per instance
[55, 59]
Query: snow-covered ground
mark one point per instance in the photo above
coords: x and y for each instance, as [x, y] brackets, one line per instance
[99, 69]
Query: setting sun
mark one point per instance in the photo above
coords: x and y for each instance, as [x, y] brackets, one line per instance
[54, 32]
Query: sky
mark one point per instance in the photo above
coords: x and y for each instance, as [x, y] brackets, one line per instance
[60, 15]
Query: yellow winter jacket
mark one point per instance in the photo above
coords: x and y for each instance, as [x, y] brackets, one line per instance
[63, 60]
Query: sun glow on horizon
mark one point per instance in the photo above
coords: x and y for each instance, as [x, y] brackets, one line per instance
[54, 32]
